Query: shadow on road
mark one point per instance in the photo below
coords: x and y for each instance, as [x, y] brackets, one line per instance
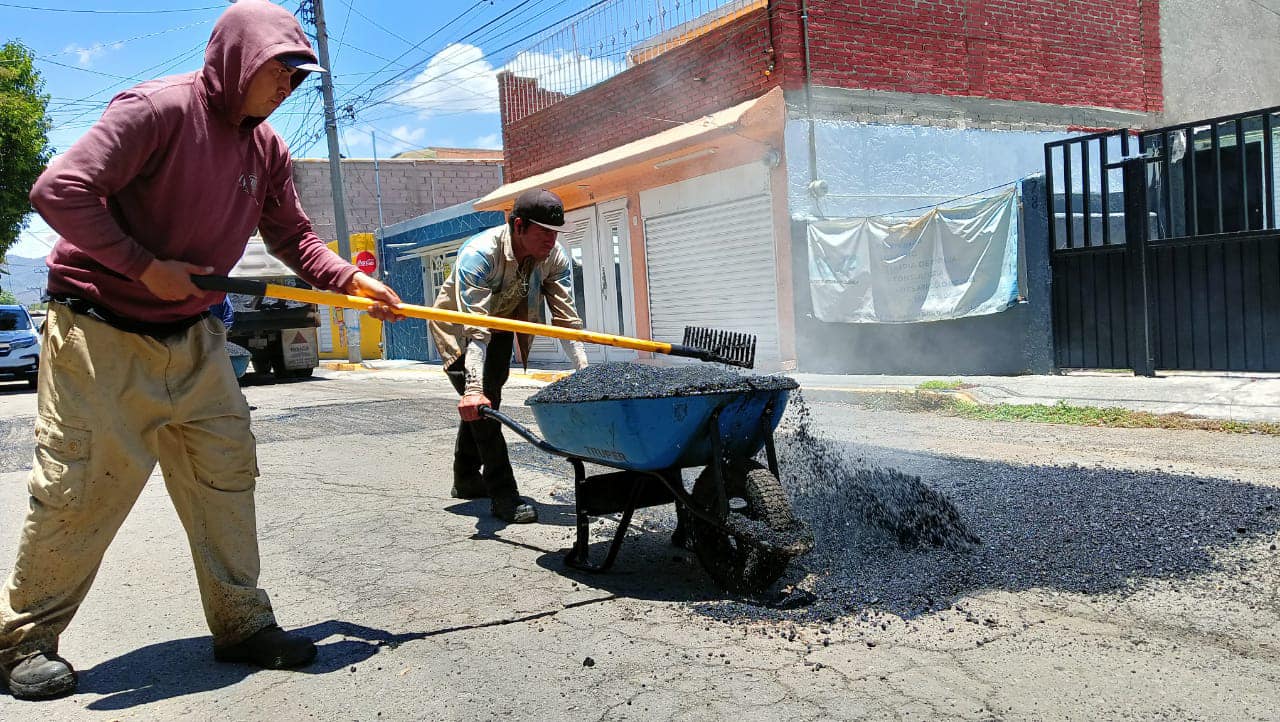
[487, 524]
[186, 666]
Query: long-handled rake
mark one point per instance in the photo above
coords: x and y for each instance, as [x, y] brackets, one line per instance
[704, 344]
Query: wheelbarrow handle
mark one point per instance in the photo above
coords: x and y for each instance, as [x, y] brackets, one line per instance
[521, 429]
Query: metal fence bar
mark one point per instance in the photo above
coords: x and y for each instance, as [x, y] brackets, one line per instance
[1268, 173]
[1066, 194]
[609, 36]
[1084, 195]
[1166, 185]
[1048, 196]
[1244, 176]
[1217, 176]
[1106, 192]
[1192, 185]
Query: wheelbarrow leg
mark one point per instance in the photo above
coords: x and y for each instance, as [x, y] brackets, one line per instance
[578, 554]
[578, 557]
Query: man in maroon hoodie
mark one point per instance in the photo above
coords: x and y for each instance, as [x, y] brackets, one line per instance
[170, 182]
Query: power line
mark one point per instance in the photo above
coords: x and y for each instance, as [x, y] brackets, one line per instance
[116, 43]
[422, 42]
[1264, 7]
[485, 56]
[375, 23]
[111, 12]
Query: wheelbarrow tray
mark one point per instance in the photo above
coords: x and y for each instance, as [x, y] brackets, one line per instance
[651, 434]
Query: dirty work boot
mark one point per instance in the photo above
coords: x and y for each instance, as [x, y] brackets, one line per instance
[271, 648]
[468, 486]
[43, 675]
[513, 510]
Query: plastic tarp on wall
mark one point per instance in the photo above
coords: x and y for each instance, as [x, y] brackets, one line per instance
[950, 263]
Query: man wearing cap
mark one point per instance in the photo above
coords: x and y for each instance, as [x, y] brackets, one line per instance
[169, 183]
[507, 271]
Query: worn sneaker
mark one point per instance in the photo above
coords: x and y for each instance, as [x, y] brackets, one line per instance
[43, 675]
[514, 510]
[271, 648]
[470, 486]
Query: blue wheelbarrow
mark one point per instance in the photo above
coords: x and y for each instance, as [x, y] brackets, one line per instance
[737, 518]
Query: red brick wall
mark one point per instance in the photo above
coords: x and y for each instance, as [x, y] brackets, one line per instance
[725, 67]
[1065, 52]
[1103, 53]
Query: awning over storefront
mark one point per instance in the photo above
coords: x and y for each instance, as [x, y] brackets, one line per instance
[753, 127]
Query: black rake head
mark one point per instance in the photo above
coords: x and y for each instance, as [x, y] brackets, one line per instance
[726, 347]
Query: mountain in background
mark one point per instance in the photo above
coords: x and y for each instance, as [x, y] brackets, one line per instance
[25, 277]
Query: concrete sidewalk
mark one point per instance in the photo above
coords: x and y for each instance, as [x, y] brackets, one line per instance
[1240, 397]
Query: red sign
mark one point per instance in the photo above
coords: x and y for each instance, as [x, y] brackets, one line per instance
[366, 262]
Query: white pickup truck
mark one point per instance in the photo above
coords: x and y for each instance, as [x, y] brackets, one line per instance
[279, 335]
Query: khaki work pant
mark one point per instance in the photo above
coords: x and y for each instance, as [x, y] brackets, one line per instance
[112, 404]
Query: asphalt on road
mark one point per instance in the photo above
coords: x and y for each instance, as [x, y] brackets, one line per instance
[1121, 572]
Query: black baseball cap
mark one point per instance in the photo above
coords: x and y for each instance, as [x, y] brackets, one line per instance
[302, 62]
[541, 206]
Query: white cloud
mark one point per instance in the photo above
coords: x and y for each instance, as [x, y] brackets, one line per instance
[85, 55]
[410, 136]
[492, 140]
[460, 79]
[457, 79]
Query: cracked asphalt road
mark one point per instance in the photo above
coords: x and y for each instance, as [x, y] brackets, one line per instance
[424, 608]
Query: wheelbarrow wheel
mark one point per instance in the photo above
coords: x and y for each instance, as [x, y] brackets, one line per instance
[755, 493]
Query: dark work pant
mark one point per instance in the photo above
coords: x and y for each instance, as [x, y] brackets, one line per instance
[481, 447]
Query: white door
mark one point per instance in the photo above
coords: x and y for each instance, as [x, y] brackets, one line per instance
[581, 225]
[598, 244]
[709, 248]
[436, 269]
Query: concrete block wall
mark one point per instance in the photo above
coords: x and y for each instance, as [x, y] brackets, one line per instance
[409, 188]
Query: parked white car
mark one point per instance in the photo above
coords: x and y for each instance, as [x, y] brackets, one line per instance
[19, 345]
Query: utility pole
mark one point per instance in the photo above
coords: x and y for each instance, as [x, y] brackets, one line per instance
[351, 317]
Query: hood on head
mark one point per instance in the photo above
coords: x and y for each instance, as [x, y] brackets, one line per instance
[249, 33]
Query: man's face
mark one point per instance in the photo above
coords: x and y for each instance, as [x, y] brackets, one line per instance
[268, 89]
[531, 239]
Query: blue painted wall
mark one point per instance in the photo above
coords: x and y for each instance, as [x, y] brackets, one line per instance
[407, 339]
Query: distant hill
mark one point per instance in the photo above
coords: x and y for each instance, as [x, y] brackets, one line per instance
[25, 278]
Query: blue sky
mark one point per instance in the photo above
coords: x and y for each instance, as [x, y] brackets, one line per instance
[414, 73]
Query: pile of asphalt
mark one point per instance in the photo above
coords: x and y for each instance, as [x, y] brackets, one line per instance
[609, 381]
[890, 546]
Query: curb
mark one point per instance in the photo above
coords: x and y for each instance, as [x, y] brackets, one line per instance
[546, 377]
[868, 390]
[342, 366]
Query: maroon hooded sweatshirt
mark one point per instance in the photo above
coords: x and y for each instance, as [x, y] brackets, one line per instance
[173, 170]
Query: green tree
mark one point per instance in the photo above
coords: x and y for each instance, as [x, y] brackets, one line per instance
[8, 299]
[24, 136]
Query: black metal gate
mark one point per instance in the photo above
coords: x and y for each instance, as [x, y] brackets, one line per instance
[1169, 259]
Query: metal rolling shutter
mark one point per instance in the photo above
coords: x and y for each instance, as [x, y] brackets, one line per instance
[714, 266]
